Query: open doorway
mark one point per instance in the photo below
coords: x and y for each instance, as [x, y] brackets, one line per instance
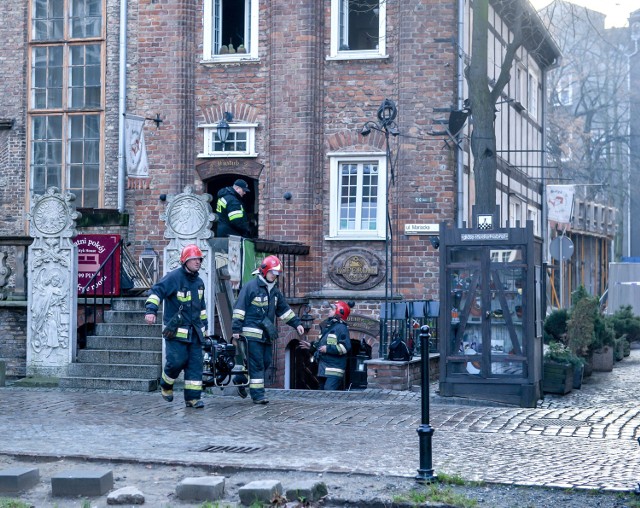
[249, 202]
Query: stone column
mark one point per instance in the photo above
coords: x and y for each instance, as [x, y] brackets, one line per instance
[53, 284]
[188, 219]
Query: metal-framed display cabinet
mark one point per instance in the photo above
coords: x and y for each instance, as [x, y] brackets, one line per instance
[491, 327]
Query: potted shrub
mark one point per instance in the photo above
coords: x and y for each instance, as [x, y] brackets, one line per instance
[558, 368]
[625, 324]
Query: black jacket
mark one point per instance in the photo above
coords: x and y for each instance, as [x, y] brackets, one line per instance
[254, 303]
[181, 288]
[232, 219]
[335, 336]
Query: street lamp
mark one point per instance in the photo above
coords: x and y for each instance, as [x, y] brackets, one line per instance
[306, 319]
[386, 124]
[223, 127]
[425, 431]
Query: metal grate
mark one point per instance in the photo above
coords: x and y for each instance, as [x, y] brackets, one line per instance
[231, 449]
[556, 422]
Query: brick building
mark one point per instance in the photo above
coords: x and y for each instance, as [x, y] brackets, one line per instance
[296, 82]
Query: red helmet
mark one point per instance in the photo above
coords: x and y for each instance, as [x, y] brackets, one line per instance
[342, 310]
[270, 263]
[191, 251]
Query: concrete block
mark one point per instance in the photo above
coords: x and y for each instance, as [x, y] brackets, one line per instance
[204, 488]
[306, 491]
[18, 478]
[82, 483]
[261, 491]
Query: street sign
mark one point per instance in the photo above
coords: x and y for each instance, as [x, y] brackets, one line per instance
[561, 248]
[421, 229]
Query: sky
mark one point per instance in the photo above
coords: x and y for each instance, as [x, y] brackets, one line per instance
[617, 11]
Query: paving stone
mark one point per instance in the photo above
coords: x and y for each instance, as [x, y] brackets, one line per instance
[18, 479]
[203, 488]
[126, 495]
[82, 483]
[261, 491]
[306, 491]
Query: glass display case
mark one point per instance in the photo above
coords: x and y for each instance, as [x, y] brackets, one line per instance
[490, 348]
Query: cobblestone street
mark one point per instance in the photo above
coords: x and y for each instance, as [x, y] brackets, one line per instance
[583, 440]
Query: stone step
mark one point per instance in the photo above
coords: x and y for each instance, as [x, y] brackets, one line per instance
[128, 330]
[135, 317]
[115, 370]
[125, 343]
[128, 304]
[136, 385]
[121, 356]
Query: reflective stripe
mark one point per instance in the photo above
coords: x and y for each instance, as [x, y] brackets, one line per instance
[238, 314]
[332, 371]
[252, 332]
[332, 339]
[154, 299]
[203, 314]
[287, 316]
[256, 383]
[260, 302]
[183, 333]
[236, 214]
[200, 293]
[183, 297]
[167, 379]
[193, 385]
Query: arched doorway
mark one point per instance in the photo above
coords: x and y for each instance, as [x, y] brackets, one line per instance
[249, 201]
[301, 372]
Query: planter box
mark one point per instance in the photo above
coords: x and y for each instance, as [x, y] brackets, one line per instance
[578, 374]
[557, 378]
[602, 360]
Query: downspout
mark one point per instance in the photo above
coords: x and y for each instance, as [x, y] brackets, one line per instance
[122, 106]
[459, 106]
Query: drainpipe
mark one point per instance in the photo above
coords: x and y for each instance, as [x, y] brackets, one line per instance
[459, 101]
[122, 105]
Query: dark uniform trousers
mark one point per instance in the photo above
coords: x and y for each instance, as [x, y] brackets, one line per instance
[188, 356]
[260, 356]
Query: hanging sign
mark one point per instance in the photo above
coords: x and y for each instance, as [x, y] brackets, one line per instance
[93, 251]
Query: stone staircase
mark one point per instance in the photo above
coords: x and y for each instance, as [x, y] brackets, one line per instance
[124, 353]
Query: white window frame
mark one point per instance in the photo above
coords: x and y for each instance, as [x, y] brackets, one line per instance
[532, 106]
[337, 54]
[335, 159]
[210, 131]
[208, 53]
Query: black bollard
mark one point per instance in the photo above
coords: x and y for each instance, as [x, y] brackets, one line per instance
[425, 431]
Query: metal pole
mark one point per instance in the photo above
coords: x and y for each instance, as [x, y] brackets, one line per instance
[425, 431]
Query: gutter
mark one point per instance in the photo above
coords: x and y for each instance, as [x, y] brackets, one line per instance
[122, 106]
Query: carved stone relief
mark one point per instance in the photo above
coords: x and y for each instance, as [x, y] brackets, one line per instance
[188, 218]
[53, 278]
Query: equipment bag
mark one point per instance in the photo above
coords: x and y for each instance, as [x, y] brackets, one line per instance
[398, 351]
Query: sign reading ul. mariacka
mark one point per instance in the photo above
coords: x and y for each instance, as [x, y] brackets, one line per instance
[93, 253]
[356, 269]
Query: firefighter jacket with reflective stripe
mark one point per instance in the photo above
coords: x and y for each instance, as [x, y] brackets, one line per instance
[255, 302]
[336, 337]
[232, 219]
[181, 288]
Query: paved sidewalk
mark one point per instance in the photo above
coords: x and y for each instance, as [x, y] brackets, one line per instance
[586, 439]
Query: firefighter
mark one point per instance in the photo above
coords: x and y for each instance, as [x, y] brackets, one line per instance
[259, 303]
[232, 219]
[332, 349]
[185, 322]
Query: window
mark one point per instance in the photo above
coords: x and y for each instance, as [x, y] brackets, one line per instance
[240, 141]
[358, 197]
[532, 106]
[230, 30]
[358, 28]
[564, 91]
[66, 98]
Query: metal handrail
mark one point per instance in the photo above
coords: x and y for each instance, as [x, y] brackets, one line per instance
[94, 311]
